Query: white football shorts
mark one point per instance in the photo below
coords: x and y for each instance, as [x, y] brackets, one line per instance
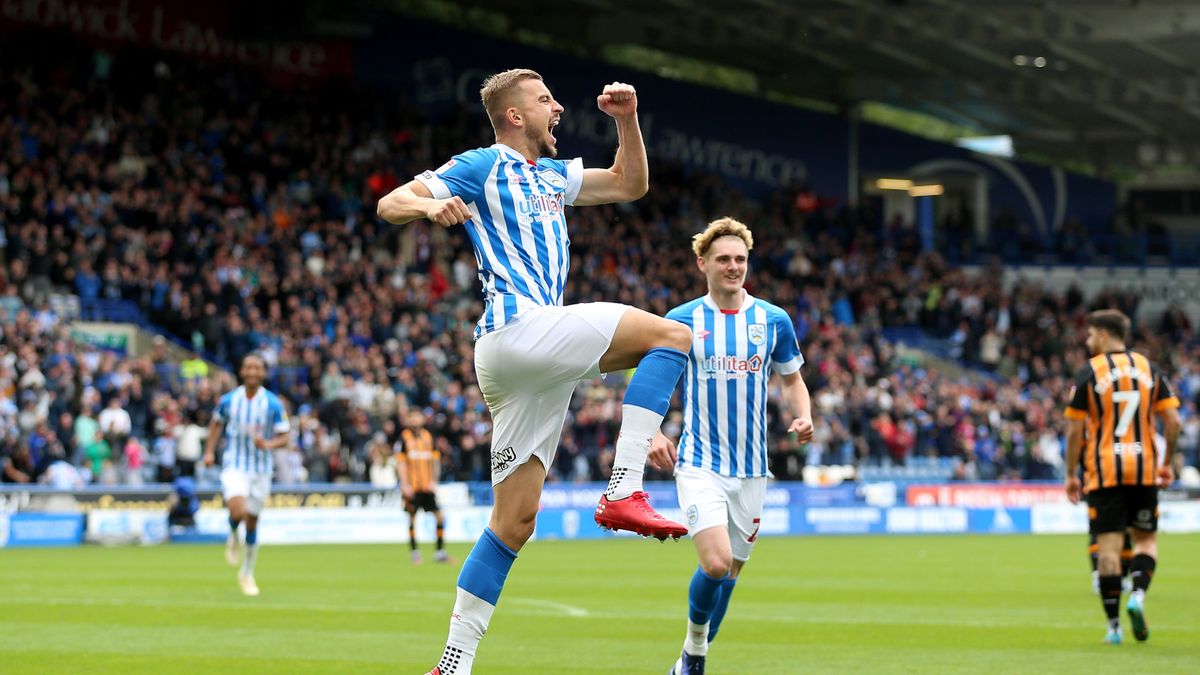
[528, 371]
[709, 499]
[255, 487]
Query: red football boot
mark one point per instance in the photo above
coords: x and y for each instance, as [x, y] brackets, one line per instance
[634, 514]
[435, 671]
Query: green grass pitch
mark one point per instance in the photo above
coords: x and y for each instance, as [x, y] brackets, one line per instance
[943, 604]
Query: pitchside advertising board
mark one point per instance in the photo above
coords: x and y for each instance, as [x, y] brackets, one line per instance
[361, 514]
[40, 529]
[985, 495]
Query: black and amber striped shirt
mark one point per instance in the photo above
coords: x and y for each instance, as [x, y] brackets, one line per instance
[1117, 394]
[419, 458]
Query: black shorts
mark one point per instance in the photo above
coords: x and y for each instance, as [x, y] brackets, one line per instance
[1113, 509]
[424, 501]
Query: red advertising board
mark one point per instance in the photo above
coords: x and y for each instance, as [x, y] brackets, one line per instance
[984, 495]
[203, 30]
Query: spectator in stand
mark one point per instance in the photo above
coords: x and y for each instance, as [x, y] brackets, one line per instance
[382, 470]
[278, 249]
[115, 423]
[99, 460]
[16, 463]
[189, 447]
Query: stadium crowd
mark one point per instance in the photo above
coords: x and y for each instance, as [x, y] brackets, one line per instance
[240, 218]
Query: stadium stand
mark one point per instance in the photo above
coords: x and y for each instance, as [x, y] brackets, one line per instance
[239, 217]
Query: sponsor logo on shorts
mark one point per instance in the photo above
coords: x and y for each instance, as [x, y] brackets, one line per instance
[501, 459]
[693, 515]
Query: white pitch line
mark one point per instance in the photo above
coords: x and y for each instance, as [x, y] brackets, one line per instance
[569, 610]
[538, 607]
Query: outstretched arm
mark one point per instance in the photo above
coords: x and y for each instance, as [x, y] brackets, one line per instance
[629, 177]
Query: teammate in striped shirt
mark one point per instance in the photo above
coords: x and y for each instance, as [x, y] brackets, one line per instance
[1110, 425]
[254, 424]
[530, 350]
[721, 464]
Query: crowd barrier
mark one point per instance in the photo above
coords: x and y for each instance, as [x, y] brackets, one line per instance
[318, 514]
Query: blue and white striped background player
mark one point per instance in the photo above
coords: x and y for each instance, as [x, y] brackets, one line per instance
[254, 424]
[721, 465]
[530, 350]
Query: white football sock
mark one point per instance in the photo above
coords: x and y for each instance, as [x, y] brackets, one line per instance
[248, 561]
[696, 642]
[638, 427]
[468, 623]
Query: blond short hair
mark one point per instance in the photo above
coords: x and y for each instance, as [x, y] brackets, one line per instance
[498, 89]
[721, 227]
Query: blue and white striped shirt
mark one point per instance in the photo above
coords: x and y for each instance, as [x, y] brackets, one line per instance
[518, 226]
[725, 386]
[244, 418]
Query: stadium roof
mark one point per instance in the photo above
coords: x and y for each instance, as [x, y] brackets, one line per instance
[1108, 82]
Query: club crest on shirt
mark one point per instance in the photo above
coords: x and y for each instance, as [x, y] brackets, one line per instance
[757, 333]
[553, 179]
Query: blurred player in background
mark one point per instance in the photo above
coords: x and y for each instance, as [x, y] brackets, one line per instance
[1160, 444]
[254, 424]
[419, 467]
[1126, 561]
[530, 351]
[1111, 426]
[721, 464]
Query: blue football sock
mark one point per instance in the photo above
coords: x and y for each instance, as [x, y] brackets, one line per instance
[722, 604]
[646, 401]
[702, 596]
[653, 383]
[479, 585]
[486, 567]
[251, 537]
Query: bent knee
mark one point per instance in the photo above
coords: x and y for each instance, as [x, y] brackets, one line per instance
[716, 566]
[515, 529]
[675, 335]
